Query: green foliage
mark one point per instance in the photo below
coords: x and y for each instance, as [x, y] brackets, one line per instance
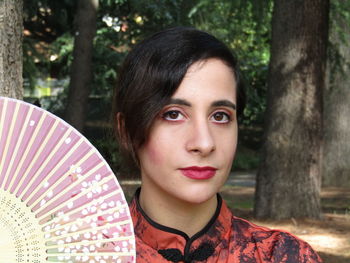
[243, 204]
[30, 70]
[246, 159]
[46, 24]
[107, 56]
[338, 43]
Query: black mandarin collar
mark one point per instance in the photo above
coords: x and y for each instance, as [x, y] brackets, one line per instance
[175, 245]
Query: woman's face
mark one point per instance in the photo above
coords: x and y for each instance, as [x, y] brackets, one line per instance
[192, 142]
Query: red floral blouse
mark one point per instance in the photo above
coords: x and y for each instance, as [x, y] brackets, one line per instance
[225, 238]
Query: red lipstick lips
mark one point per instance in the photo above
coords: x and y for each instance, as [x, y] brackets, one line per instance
[199, 173]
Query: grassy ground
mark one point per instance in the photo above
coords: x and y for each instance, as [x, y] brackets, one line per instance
[329, 236]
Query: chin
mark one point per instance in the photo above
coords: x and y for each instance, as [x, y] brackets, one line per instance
[197, 195]
[199, 192]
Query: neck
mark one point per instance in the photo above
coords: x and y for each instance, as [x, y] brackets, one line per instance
[169, 211]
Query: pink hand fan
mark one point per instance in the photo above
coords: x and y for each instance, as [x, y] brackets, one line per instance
[59, 200]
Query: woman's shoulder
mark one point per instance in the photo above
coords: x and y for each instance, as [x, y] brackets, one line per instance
[270, 244]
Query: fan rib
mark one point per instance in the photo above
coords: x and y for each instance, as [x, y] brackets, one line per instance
[59, 165]
[83, 231]
[37, 154]
[24, 156]
[77, 209]
[92, 254]
[82, 193]
[3, 114]
[89, 242]
[107, 211]
[8, 140]
[43, 166]
[62, 178]
[18, 144]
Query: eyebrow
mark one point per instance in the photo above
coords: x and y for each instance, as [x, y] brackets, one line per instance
[180, 102]
[217, 103]
[225, 103]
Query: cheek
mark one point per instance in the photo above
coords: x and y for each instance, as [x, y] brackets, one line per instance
[234, 147]
[151, 153]
[230, 152]
[154, 155]
[229, 145]
[160, 148]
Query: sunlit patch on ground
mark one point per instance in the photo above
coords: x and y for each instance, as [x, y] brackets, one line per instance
[324, 241]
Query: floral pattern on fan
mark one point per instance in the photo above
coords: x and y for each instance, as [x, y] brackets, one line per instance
[59, 200]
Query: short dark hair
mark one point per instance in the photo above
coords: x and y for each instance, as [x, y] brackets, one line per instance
[152, 72]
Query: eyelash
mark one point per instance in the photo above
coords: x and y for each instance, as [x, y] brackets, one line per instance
[166, 115]
[222, 114]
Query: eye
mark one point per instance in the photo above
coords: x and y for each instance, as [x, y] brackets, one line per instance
[221, 117]
[173, 115]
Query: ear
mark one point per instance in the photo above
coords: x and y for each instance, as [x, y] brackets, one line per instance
[124, 139]
[119, 122]
[122, 134]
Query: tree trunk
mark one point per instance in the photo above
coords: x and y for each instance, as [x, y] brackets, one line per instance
[81, 72]
[288, 183]
[11, 55]
[336, 154]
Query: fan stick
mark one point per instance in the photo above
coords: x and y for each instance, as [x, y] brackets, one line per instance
[18, 144]
[3, 114]
[35, 158]
[24, 156]
[89, 242]
[62, 178]
[88, 230]
[82, 193]
[80, 208]
[8, 140]
[76, 197]
[59, 165]
[65, 226]
[94, 254]
[43, 166]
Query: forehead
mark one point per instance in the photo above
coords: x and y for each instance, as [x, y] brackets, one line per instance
[207, 78]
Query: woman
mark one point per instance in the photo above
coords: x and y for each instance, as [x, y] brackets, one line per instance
[177, 100]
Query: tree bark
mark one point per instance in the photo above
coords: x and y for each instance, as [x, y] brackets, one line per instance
[81, 73]
[336, 154]
[11, 55]
[289, 178]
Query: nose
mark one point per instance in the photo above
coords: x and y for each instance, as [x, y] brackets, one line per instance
[200, 140]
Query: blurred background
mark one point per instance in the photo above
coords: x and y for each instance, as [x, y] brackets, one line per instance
[293, 157]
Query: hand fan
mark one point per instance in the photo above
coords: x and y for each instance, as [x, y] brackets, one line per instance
[59, 200]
